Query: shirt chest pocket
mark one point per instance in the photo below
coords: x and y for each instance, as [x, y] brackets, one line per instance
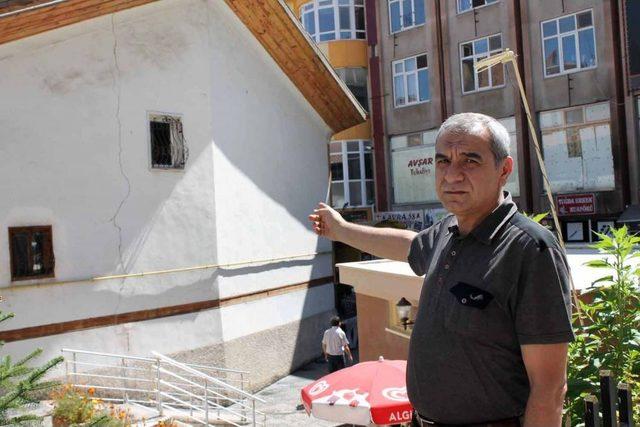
[473, 311]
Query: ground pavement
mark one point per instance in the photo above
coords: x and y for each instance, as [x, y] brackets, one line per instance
[284, 406]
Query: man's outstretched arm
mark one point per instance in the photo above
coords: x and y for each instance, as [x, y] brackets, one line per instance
[388, 243]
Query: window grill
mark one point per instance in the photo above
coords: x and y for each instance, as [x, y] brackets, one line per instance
[168, 148]
[31, 252]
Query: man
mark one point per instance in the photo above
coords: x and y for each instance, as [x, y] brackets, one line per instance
[335, 345]
[489, 344]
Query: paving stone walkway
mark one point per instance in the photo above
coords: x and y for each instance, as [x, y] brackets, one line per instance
[284, 407]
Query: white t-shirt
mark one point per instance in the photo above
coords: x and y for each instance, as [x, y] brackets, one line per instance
[335, 339]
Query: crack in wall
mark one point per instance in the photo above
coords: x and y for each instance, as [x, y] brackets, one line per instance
[114, 219]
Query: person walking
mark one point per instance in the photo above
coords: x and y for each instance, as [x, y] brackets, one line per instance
[490, 340]
[335, 345]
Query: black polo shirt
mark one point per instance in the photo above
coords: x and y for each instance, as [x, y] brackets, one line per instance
[503, 285]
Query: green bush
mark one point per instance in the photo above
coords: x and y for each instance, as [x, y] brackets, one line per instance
[20, 384]
[609, 338]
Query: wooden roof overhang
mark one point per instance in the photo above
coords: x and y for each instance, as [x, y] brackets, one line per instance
[270, 21]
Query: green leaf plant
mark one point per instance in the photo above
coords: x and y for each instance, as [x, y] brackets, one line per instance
[20, 384]
[608, 337]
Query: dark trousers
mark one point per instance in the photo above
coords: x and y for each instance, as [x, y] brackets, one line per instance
[513, 422]
[335, 363]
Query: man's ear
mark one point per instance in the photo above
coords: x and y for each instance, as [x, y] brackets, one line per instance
[506, 168]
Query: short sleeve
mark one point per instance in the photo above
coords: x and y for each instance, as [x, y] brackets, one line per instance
[543, 299]
[343, 339]
[416, 257]
[324, 339]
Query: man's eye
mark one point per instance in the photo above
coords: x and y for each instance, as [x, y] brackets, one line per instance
[442, 161]
[469, 161]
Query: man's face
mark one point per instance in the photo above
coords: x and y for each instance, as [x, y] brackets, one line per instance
[468, 181]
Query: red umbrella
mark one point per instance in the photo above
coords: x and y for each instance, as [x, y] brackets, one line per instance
[369, 392]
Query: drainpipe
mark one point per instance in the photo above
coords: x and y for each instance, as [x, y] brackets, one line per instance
[618, 101]
[525, 171]
[439, 40]
[377, 109]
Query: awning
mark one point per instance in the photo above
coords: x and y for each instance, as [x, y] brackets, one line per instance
[630, 214]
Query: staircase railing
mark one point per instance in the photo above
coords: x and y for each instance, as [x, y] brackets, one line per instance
[164, 386]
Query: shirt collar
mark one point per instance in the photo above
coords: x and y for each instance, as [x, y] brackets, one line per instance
[489, 227]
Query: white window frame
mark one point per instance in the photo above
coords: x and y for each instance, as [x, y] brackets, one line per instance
[476, 57]
[559, 37]
[473, 8]
[405, 76]
[337, 32]
[413, 14]
[345, 170]
[564, 127]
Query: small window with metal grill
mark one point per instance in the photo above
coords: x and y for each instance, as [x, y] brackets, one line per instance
[168, 150]
[31, 252]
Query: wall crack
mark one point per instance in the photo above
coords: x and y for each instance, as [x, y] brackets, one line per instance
[117, 90]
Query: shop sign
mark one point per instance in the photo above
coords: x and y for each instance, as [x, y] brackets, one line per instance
[414, 175]
[576, 204]
[413, 220]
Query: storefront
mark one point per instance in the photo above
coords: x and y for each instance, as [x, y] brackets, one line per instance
[578, 157]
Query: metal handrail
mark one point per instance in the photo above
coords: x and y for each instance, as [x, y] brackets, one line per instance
[205, 393]
[202, 375]
[149, 359]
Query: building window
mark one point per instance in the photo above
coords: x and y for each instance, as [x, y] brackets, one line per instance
[351, 173]
[413, 168]
[474, 51]
[31, 252]
[569, 44]
[577, 148]
[466, 5]
[327, 20]
[168, 149]
[356, 81]
[411, 81]
[632, 15]
[406, 14]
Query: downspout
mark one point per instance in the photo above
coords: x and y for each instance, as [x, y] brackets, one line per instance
[619, 101]
[526, 148]
[439, 40]
[377, 109]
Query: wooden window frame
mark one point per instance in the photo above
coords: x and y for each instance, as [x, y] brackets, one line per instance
[48, 254]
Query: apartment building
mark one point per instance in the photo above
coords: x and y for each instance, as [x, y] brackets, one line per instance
[580, 62]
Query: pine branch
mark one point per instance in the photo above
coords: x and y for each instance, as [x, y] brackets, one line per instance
[5, 316]
[33, 355]
[39, 373]
[23, 419]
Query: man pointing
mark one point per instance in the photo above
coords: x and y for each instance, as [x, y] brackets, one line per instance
[489, 344]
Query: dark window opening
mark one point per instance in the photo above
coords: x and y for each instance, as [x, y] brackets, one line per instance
[31, 252]
[356, 81]
[168, 150]
[633, 41]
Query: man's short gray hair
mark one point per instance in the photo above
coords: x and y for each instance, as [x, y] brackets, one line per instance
[479, 125]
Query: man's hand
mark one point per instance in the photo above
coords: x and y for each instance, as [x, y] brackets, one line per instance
[387, 243]
[327, 222]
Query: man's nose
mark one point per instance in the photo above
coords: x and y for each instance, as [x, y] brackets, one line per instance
[453, 173]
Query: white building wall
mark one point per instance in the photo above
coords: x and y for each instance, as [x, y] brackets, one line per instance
[73, 121]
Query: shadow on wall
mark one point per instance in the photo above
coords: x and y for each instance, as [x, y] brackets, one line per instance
[282, 151]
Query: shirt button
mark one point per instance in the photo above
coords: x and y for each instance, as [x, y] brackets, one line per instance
[446, 266]
[453, 253]
[464, 300]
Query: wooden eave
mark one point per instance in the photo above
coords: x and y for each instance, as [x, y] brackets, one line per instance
[270, 21]
[277, 29]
